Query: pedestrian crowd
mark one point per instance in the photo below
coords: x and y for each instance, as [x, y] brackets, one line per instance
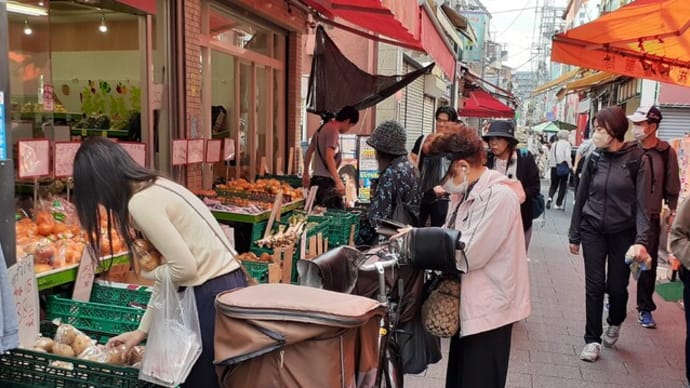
[483, 184]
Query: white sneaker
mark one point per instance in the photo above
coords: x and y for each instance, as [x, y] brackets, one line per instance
[611, 335]
[591, 352]
[558, 207]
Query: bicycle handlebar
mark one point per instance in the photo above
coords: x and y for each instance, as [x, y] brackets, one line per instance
[391, 261]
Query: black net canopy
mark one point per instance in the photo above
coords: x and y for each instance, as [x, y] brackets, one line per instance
[335, 81]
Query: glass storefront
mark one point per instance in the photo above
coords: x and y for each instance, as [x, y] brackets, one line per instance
[244, 82]
[78, 70]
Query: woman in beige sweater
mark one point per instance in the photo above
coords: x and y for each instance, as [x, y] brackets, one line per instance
[195, 250]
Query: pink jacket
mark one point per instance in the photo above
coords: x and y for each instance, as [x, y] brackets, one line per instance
[495, 290]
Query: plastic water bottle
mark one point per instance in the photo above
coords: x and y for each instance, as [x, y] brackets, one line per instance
[635, 266]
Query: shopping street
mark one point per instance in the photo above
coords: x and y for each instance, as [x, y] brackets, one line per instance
[546, 346]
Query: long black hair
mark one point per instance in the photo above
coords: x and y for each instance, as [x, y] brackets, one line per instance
[103, 176]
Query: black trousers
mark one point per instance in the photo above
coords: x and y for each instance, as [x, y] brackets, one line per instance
[560, 183]
[685, 277]
[327, 196]
[647, 280]
[600, 249]
[479, 360]
[203, 373]
[434, 208]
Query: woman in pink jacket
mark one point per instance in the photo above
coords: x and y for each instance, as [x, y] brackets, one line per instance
[485, 208]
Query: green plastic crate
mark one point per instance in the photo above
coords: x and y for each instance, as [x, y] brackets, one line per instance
[98, 317]
[123, 297]
[27, 368]
[257, 270]
[340, 226]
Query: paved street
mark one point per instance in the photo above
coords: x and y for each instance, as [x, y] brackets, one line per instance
[546, 346]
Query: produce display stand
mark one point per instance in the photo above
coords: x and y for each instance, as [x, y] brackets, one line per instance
[65, 275]
[66, 116]
[107, 314]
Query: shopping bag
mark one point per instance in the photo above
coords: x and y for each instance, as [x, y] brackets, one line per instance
[174, 340]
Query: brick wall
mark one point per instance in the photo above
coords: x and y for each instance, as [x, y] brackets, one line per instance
[192, 33]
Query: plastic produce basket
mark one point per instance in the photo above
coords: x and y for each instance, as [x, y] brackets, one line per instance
[27, 368]
[340, 226]
[123, 297]
[257, 270]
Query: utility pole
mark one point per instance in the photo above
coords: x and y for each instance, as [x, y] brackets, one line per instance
[7, 232]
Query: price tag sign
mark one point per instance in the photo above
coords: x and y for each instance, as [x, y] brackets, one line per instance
[25, 291]
[48, 101]
[229, 149]
[213, 150]
[34, 158]
[179, 154]
[64, 158]
[195, 151]
[85, 277]
[136, 150]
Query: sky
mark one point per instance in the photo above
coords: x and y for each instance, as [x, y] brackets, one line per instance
[515, 24]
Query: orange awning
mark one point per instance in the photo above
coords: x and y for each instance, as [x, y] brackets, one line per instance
[402, 21]
[596, 79]
[645, 39]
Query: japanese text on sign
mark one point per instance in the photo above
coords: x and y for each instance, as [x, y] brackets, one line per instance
[195, 151]
[25, 290]
[34, 158]
[64, 158]
[179, 154]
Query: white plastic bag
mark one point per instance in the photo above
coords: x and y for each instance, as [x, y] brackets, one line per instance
[174, 340]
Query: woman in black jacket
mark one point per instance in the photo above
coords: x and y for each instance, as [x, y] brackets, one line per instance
[515, 164]
[608, 218]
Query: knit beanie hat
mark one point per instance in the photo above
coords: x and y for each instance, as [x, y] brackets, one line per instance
[389, 137]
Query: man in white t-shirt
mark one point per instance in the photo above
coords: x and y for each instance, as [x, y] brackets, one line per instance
[560, 155]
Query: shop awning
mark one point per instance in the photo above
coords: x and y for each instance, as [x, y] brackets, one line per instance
[482, 104]
[398, 20]
[563, 78]
[596, 79]
[402, 21]
[645, 39]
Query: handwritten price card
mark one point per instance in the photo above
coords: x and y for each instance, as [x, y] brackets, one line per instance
[85, 276]
[179, 154]
[64, 158]
[213, 150]
[195, 151]
[229, 149]
[137, 151]
[25, 291]
[34, 158]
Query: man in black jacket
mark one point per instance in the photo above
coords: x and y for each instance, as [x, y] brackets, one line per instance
[665, 188]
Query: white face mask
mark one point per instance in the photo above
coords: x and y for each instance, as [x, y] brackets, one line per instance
[639, 133]
[601, 139]
[450, 186]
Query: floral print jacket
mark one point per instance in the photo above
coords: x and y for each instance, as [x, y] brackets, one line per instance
[399, 182]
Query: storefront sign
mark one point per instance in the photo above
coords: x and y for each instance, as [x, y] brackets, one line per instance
[25, 291]
[34, 158]
[136, 150]
[85, 277]
[367, 166]
[213, 150]
[179, 154]
[3, 134]
[195, 151]
[64, 158]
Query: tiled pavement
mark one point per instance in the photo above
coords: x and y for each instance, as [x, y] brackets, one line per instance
[546, 346]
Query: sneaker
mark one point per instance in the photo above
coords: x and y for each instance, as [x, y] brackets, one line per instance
[646, 320]
[548, 203]
[558, 207]
[591, 352]
[611, 335]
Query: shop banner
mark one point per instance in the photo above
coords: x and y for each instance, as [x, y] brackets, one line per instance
[213, 150]
[34, 158]
[474, 51]
[195, 151]
[367, 166]
[64, 158]
[136, 150]
[25, 289]
[179, 154]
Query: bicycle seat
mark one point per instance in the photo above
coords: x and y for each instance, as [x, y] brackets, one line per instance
[335, 270]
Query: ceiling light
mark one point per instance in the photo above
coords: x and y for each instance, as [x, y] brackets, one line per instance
[103, 27]
[25, 9]
[27, 28]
